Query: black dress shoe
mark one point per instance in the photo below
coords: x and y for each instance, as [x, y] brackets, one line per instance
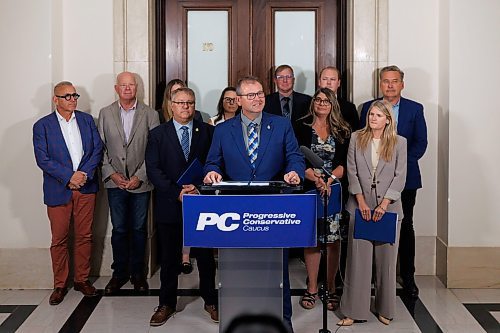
[186, 267]
[140, 284]
[411, 289]
[114, 285]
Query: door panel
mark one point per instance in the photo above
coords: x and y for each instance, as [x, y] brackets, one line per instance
[263, 34]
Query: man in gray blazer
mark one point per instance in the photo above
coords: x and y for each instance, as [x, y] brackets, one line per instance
[124, 126]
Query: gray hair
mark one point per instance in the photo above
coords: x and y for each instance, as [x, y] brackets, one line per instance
[61, 84]
[392, 68]
[186, 90]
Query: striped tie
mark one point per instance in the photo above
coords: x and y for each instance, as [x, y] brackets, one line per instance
[286, 107]
[185, 141]
[253, 143]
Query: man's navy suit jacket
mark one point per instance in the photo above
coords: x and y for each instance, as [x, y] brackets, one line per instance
[165, 163]
[411, 125]
[300, 105]
[52, 156]
[278, 151]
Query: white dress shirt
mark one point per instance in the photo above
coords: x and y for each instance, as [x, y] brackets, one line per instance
[72, 138]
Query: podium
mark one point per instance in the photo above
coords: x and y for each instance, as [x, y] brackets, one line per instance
[250, 224]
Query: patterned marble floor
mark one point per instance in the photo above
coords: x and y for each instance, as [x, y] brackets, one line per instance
[437, 310]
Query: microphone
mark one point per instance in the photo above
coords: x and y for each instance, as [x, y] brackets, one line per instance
[316, 161]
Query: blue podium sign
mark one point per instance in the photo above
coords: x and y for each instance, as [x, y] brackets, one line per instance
[250, 221]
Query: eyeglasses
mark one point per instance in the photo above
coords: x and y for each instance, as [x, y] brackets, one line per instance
[68, 96]
[319, 101]
[187, 103]
[283, 77]
[251, 96]
[387, 82]
[229, 100]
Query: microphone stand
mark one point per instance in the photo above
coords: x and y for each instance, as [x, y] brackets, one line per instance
[323, 290]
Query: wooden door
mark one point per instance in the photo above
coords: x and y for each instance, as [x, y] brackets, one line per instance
[250, 36]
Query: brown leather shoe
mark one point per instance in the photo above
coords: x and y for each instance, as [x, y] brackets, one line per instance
[140, 284]
[213, 312]
[161, 315]
[114, 285]
[86, 288]
[57, 296]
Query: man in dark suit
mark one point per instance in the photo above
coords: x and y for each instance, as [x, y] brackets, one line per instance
[124, 127]
[68, 149]
[329, 77]
[411, 125]
[286, 102]
[256, 146]
[171, 148]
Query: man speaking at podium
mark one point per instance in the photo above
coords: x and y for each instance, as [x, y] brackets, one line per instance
[256, 146]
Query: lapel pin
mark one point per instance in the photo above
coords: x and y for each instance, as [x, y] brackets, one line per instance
[196, 129]
[268, 127]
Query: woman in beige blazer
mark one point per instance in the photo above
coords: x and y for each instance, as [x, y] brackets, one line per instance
[376, 169]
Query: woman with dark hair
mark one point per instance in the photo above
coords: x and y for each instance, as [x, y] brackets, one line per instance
[376, 168]
[226, 108]
[326, 133]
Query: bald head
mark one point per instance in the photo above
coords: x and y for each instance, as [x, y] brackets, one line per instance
[126, 87]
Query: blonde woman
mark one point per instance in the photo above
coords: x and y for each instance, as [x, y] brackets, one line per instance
[376, 169]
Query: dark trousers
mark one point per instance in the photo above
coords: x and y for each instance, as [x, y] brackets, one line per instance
[129, 216]
[170, 244]
[407, 237]
[287, 299]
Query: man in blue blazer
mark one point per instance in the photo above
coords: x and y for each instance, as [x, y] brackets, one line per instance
[68, 149]
[256, 146]
[171, 148]
[286, 102]
[411, 125]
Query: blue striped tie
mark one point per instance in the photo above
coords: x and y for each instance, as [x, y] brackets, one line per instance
[253, 143]
[185, 141]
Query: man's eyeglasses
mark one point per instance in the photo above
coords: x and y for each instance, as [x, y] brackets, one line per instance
[187, 103]
[283, 77]
[251, 96]
[68, 96]
[229, 100]
[319, 101]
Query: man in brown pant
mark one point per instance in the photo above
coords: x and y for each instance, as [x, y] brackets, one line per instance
[68, 149]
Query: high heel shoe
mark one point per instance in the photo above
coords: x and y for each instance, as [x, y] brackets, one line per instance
[384, 320]
[346, 322]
